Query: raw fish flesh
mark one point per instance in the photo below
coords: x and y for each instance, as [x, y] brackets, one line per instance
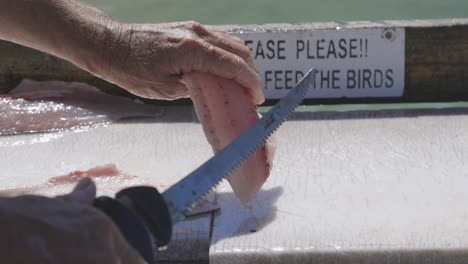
[107, 177]
[54, 105]
[225, 110]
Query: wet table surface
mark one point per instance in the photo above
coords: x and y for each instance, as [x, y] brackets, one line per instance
[350, 187]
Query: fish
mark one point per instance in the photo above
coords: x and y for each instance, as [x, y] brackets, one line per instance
[45, 106]
[226, 109]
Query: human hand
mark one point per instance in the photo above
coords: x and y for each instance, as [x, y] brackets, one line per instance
[149, 60]
[65, 229]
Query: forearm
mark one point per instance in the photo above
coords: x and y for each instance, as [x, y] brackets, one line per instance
[146, 60]
[65, 28]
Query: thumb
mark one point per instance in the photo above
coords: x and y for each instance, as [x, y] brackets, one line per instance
[84, 191]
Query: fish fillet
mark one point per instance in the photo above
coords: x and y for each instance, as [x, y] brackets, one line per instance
[225, 110]
[54, 105]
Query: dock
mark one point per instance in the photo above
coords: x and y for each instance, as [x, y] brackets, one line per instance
[382, 180]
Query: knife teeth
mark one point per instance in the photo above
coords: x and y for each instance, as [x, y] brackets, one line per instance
[302, 94]
[244, 157]
[301, 91]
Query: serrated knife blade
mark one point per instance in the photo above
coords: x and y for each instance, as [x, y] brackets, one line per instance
[181, 196]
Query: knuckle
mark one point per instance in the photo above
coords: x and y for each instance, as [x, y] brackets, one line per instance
[193, 25]
[237, 39]
[198, 28]
[239, 65]
[190, 22]
[201, 48]
[245, 52]
[191, 44]
[238, 48]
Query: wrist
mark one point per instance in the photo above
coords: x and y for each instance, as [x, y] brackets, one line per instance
[113, 49]
[97, 43]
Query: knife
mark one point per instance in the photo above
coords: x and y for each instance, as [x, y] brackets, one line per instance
[144, 215]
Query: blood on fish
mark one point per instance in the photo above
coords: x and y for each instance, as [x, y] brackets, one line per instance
[98, 171]
[225, 110]
[108, 178]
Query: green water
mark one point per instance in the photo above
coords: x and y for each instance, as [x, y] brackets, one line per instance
[278, 11]
[217, 12]
[367, 107]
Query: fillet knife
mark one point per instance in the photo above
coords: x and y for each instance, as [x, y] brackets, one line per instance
[145, 216]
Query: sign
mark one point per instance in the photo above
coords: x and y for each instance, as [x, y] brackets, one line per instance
[365, 62]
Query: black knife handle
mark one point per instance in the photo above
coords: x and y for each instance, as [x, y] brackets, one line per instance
[141, 214]
[130, 225]
[149, 204]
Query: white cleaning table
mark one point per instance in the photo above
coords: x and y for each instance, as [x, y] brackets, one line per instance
[352, 187]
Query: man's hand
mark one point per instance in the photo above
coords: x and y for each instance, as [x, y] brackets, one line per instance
[148, 60]
[65, 229]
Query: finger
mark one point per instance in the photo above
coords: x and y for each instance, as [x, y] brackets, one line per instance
[171, 88]
[84, 191]
[129, 255]
[223, 40]
[222, 63]
[233, 45]
[177, 89]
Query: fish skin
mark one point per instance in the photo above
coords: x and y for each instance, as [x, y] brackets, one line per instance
[225, 110]
[35, 106]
